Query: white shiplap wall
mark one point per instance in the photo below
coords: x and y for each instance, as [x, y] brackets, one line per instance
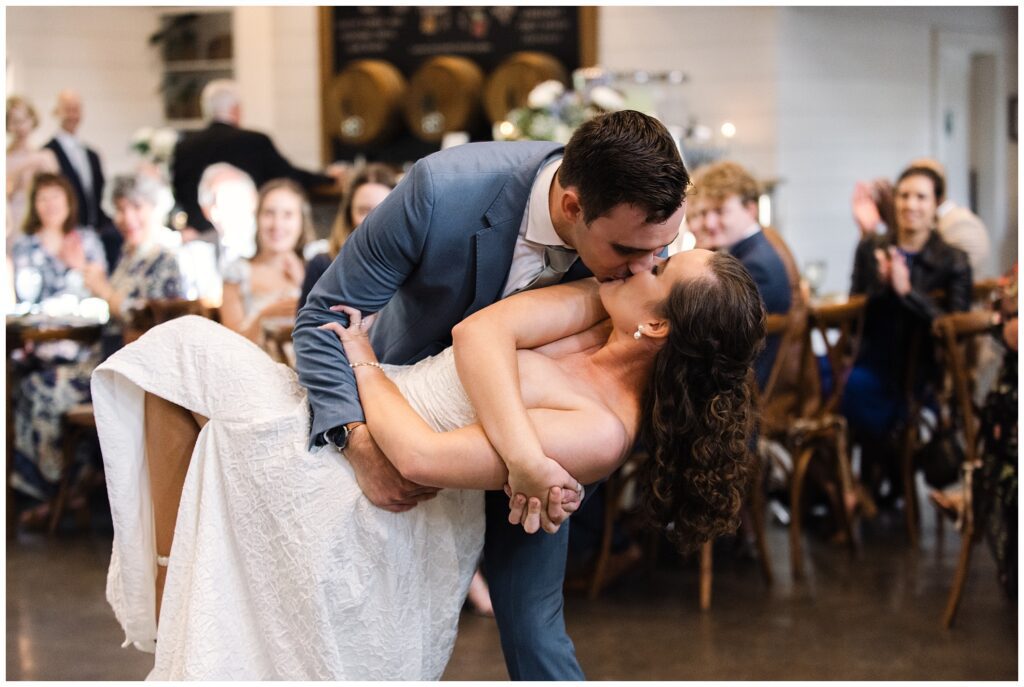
[853, 104]
[729, 54]
[296, 75]
[104, 54]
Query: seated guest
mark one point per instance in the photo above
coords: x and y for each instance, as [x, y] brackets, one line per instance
[368, 188]
[268, 285]
[691, 233]
[23, 162]
[899, 272]
[50, 257]
[227, 197]
[148, 268]
[958, 226]
[726, 207]
[52, 244]
[223, 140]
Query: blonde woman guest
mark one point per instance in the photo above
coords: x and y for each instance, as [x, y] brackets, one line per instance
[369, 187]
[55, 254]
[23, 163]
[148, 268]
[269, 284]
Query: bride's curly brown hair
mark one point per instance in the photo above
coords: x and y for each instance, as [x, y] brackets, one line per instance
[698, 408]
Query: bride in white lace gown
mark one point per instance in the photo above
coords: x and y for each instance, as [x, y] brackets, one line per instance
[281, 568]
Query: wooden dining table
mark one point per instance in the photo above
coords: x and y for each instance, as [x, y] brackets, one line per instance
[25, 331]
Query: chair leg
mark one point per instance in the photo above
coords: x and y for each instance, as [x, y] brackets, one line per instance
[757, 520]
[60, 501]
[706, 558]
[953, 603]
[845, 474]
[611, 503]
[909, 487]
[795, 494]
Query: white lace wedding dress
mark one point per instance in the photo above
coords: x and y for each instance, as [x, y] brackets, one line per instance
[280, 567]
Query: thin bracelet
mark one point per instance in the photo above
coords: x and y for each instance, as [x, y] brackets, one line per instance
[366, 363]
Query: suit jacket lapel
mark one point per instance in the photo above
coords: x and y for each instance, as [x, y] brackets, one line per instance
[495, 244]
[71, 174]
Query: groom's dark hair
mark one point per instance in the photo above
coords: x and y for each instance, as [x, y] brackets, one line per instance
[624, 157]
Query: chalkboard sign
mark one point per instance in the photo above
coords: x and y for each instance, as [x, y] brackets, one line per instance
[407, 37]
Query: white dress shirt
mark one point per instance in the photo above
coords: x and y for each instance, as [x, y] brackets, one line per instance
[536, 232]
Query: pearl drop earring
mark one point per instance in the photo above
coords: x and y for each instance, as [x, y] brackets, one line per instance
[639, 332]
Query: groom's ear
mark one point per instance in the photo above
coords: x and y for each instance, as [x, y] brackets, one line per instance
[569, 203]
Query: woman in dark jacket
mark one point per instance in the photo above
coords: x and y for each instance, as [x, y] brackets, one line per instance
[902, 274]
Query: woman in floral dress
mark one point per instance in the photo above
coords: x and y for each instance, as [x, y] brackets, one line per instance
[148, 268]
[49, 261]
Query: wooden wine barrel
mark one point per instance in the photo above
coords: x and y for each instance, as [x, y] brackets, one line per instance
[443, 96]
[512, 80]
[364, 102]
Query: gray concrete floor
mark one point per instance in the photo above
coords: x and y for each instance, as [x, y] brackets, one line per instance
[869, 615]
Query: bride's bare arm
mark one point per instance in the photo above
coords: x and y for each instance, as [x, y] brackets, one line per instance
[588, 442]
[485, 346]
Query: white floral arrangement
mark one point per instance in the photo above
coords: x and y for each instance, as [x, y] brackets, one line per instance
[552, 113]
[155, 145]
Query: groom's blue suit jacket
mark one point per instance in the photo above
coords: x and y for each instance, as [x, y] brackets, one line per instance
[437, 249]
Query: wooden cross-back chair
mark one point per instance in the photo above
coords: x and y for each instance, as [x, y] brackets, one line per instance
[159, 310]
[846, 319]
[982, 292]
[814, 428]
[955, 332]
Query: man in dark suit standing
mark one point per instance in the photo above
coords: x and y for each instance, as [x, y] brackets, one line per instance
[224, 141]
[726, 203]
[81, 166]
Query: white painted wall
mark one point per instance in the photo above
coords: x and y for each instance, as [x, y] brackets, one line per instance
[730, 55]
[100, 51]
[296, 85]
[853, 104]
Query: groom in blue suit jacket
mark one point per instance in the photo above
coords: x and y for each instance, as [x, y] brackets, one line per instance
[465, 228]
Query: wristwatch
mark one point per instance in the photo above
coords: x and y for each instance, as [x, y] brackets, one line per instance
[338, 436]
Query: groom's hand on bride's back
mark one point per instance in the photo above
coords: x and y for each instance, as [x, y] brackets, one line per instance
[377, 477]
